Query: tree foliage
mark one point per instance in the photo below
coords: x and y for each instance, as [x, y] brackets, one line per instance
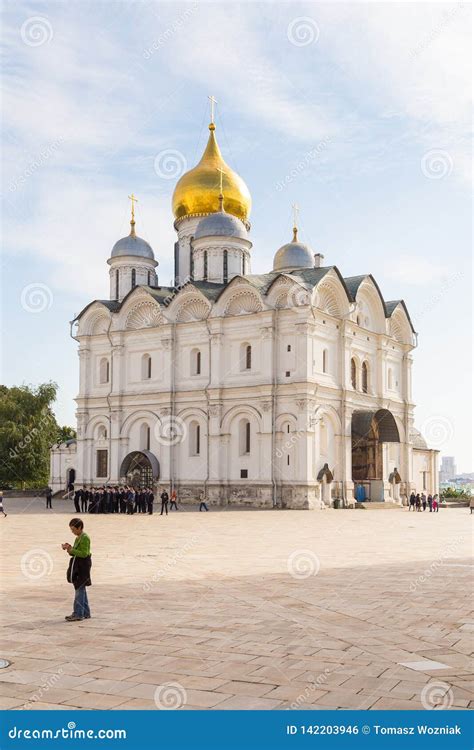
[28, 428]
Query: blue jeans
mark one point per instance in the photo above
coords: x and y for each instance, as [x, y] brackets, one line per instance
[81, 603]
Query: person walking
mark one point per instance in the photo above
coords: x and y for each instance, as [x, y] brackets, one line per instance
[202, 502]
[1, 505]
[412, 502]
[435, 504]
[49, 498]
[418, 503]
[79, 570]
[471, 504]
[164, 502]
[83, 500]
[173, 503]
[423, 500]
[430, 502]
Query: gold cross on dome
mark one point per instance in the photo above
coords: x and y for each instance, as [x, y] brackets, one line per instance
[221, 178]
[213, 102]
[133, 200]
[296, 212]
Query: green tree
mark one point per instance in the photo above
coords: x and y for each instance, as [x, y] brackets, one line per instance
[28, 428]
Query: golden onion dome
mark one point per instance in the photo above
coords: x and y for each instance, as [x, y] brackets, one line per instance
[197, 191]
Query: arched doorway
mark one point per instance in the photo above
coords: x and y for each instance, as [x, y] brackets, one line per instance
[370, 429]
[70, 477]
[140, 469]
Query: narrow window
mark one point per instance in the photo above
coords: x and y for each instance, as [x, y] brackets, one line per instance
[243, 265]
[248, 357]
[198, 363]
[390, 378]
[149, 367]
[104, 371]
[288, 348]
[244, 437]
[225, 272]
[134, 278]
[353, 373]
[247, 437]
[325, 360]
[117, 283]
[365, 377]
[205, 265]
[101, 463]
[191, 259]
[149, 278]
[146, 367]
[198, 440]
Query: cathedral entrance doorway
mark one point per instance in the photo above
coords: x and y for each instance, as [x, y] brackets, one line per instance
[370, 429]
[140, 469]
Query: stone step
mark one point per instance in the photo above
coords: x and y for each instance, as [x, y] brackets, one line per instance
[378, 506]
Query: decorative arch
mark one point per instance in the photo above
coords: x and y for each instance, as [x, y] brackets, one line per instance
[244, 302]
[370, 313]
[400, 328]
[240, 411]
[331, 296]
[94, 423]
[146, 314]
[194, 308]
[142, 415]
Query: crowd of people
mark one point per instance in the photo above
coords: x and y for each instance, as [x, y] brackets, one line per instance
[419, 502]
[124, 499]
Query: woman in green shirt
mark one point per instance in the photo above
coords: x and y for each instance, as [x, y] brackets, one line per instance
[79, 570]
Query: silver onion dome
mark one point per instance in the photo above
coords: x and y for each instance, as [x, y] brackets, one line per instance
[293, 255]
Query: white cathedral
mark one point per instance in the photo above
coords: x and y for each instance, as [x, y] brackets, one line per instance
[287, 389]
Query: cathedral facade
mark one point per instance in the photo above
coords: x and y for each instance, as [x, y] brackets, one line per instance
[286, 389]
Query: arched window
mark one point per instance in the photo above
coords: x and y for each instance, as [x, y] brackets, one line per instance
[146, 367]
[104, 370]
[365, 377]
[244, 268]
[149, 278]
[390, 378]
[145, 437]
[205, 265]
[225, 270]
[191, 259]
[134, 278]
[354, 373]
[196, 361]
[117, 284]
[325, 360]
[244, 435]
[195, 439]
[245, 357]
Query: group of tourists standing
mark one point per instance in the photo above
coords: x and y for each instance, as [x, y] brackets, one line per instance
[124, 499]
[421, 502]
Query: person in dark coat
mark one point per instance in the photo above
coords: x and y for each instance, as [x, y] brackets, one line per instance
[412, 501]
[84, 500]
[430, 502]
[164, 502]
[49, 497]
[77, 500]
[123, 500]
[150, 498]
[418, 503]
[130, 501]
[79, 570]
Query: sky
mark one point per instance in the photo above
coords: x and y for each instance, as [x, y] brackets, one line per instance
[357, 112]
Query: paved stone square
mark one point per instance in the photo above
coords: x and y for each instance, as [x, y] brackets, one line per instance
[240, 609]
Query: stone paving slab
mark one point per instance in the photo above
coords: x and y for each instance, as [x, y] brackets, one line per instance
[240, 610]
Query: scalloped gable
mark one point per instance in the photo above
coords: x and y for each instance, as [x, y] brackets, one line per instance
[392, 305]
[354, 282]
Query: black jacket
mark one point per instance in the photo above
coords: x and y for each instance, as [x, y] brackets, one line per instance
[79, 571]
